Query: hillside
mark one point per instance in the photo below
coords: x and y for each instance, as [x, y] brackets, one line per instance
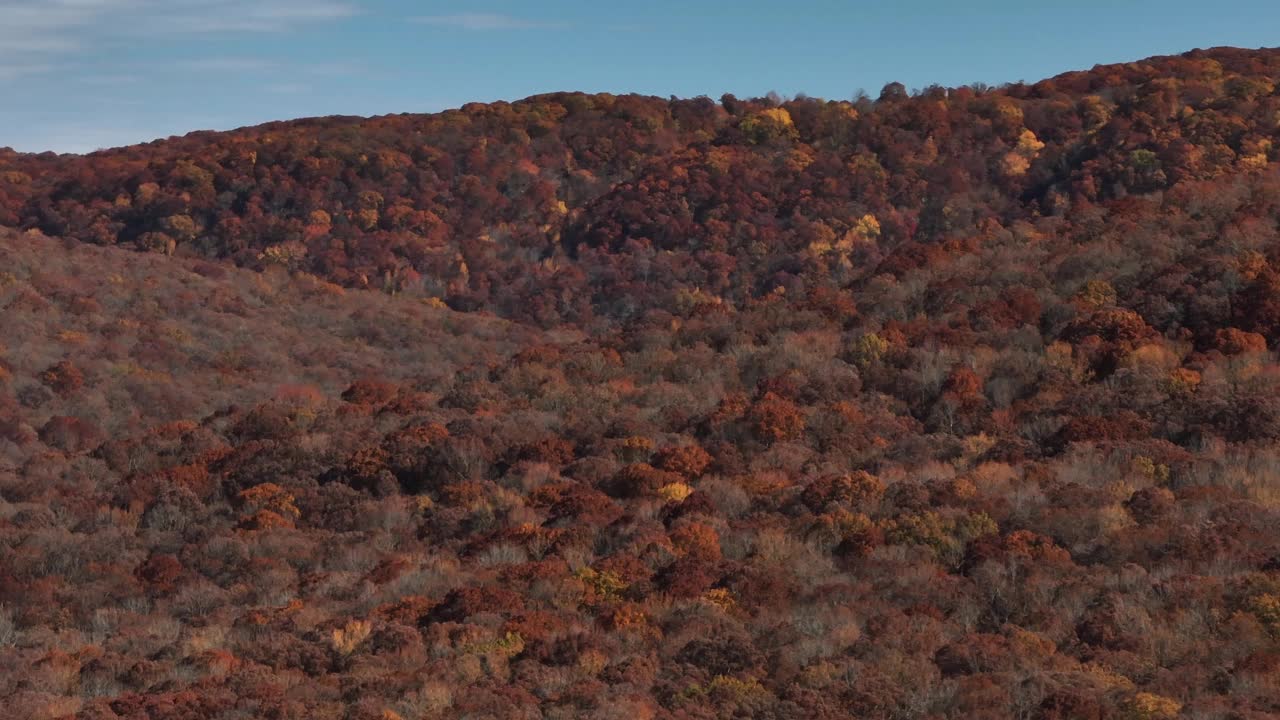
[955, 404]
[569, 207]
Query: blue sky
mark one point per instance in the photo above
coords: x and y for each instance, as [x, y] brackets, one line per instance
[77, 75]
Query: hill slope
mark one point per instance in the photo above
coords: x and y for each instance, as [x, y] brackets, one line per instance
[567, 207]
[962, 404]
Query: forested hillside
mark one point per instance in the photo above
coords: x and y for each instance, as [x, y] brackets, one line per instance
[960, 403]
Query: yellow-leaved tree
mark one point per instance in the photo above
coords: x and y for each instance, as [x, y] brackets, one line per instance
[768, 126]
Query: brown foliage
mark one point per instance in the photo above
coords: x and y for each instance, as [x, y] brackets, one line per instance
[64, 378]
[552, 408]
[689, 461]
[852, 491]
[71, 434]
[774, 419]
[640, 480]
[160, 573]
[1233, 341]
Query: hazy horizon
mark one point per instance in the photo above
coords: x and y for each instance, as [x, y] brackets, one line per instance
[105, 73]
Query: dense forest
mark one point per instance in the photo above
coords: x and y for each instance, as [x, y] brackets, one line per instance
[954, 403]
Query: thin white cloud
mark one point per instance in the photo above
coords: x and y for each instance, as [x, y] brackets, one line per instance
[77, 43]
[307, 10]
[17, 71]
[251, 65]
[36, 43]
[112, 80]
[45, 37]
[487, 21]
[238, 16]
[227, 64]
[50, 28]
